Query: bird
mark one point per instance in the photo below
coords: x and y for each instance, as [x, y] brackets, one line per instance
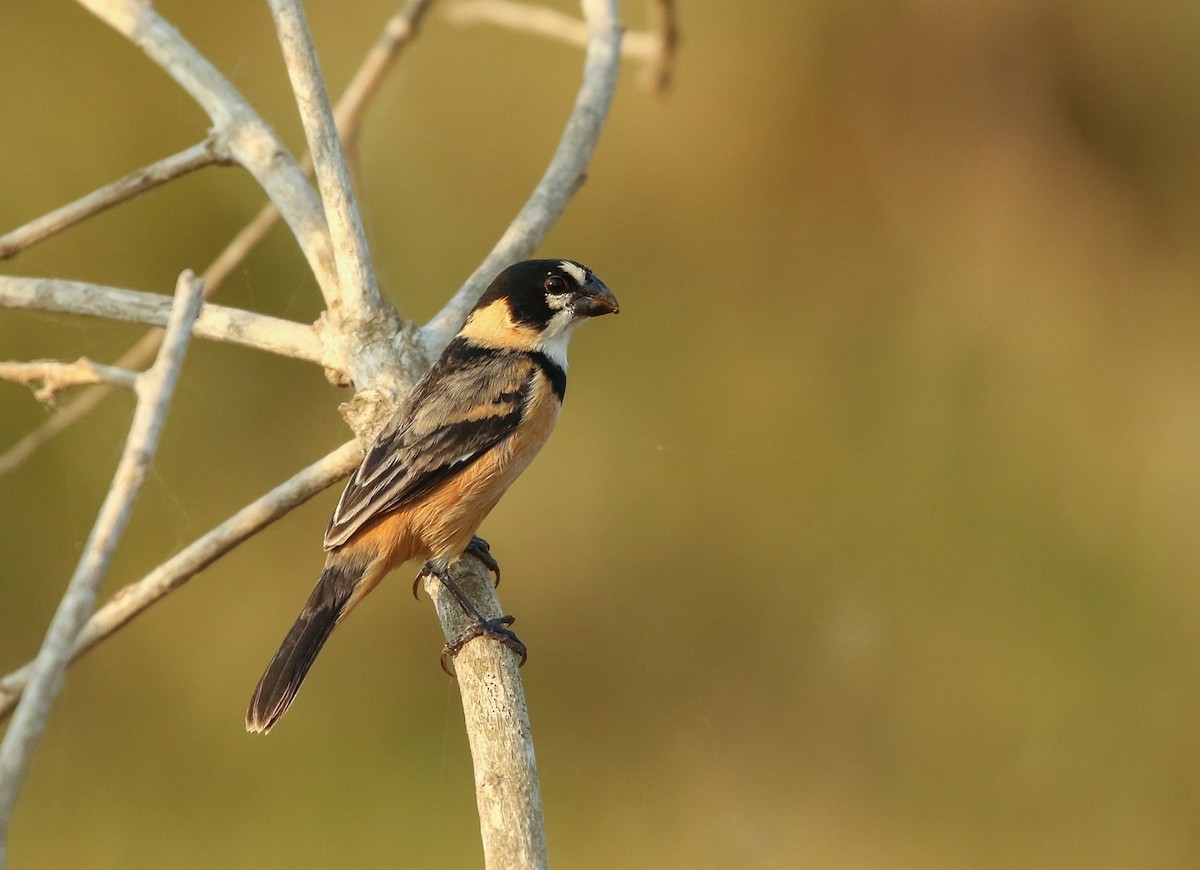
[456, 442]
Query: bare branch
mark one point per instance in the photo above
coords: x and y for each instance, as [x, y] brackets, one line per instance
[360, 315]
[215, 322]
[248, 138]
[198, 156]
[655, 49]
[155, 388]
[48, 378]
[356, 278]
[506, 778]
[187, 563]
[398, 31]
[562, 178]
[546, 22]
[498, 728]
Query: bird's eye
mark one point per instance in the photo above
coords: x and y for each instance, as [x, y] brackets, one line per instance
[555, 284]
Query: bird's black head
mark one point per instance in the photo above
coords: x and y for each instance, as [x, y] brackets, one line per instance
[544, 294]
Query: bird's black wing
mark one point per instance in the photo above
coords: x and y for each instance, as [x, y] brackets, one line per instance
[468, 402]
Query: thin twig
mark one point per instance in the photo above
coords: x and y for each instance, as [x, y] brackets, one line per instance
[547, 23]
[155, 389]
[190, 561]
[216, 322]
[524, 18]
[248, 138]
[47, 378]
[198, 156]
[562, 178]
[356, 278]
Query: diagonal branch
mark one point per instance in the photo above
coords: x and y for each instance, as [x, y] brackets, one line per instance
[356, 279]
[155, 388]
[190, 561]
[216, 322]
[564, 175]
[198, 156]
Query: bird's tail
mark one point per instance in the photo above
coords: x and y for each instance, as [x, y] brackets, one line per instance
[332, 599]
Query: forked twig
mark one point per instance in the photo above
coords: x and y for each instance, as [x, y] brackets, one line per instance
[48, 378]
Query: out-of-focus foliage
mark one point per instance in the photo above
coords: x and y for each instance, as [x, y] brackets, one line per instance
[867, 538]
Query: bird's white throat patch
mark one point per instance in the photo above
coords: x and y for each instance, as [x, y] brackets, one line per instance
[557, 335]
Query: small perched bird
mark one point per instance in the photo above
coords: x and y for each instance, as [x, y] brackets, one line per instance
[464, 433]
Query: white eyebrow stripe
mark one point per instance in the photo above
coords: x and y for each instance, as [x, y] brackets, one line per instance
[576, 272]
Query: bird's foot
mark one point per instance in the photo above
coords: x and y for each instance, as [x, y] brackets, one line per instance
[496, 629]
[480, 549]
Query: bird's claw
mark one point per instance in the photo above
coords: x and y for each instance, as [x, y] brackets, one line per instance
[481, 550]
[421, 575]
[496, 629]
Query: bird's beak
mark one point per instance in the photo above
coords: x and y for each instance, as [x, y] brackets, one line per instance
[597, 299]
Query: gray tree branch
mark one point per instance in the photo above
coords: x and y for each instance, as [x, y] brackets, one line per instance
[216, 322]
[155, 388]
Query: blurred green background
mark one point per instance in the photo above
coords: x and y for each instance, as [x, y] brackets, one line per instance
[867, 538]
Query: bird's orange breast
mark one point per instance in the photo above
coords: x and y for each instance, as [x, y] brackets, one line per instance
[440, 524]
